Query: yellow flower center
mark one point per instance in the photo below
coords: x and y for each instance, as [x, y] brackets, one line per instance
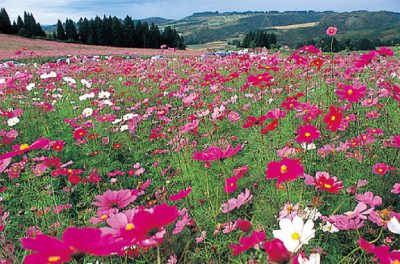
[307, 134]
[260, 77]
[23, 146]
[333, 118]
[296, 236]
[283, 168]
[327, 186]
[396, 261]
[380, 170]
[350, 92]
[369, 101]
[129, 227]
[103, 217]
[232, 184]
[54, 259]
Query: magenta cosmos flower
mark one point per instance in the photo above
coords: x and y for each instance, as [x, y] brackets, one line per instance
[215, 153]
[75, 243]
[331, 31]
[284, 170]
[307, 133]
[114, 199]
[40, 143]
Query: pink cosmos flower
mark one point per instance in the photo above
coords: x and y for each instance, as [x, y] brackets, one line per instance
[307, 133]
[180, 195]
[236, 203]
[381, 168]
[190, 127]
[230, 184]
[215, 153]
[369, 199]
[276, 250]
[349, 93]
[245, 243]
[331, 31]
[396, 188]
[40, 143]
[111, 199]
[284, 170]
[233, 116]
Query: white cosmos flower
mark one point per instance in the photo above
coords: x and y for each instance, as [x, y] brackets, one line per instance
[104, 94]
[30, 86]
[13, 121]
[86, 83]
[2, 81]
[329, 227]
[52, 74]
[394, 226]
[87, 112]
[312, 259]
[123, 128]
[116, 121]
[294, 233]
[128, 116]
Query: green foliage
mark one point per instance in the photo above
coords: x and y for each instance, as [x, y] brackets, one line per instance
[70, 30]
[5, 24]
[258, 39]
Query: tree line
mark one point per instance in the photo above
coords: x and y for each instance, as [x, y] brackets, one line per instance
[110, 31]
[258, 38]
[25, 28]
[106, 31]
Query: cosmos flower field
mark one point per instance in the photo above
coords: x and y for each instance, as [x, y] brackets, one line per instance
[289, 156]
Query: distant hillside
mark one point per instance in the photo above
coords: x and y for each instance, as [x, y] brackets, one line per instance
[291, 27]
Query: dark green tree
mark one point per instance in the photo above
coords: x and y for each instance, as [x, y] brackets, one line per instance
[70, 30]
[117, 33]
[128, 28]
[5, 24]
[60, 31]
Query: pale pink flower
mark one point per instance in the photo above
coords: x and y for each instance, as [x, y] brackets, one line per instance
[236, 203]
[369, 199]
[114, 199]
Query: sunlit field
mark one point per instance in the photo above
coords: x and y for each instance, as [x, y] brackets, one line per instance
[285, 156]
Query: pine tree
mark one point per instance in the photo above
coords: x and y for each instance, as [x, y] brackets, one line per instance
[5, 24]
[60, 31]
[117, 33]
[70, 31]
[129, 32]
[83, 26]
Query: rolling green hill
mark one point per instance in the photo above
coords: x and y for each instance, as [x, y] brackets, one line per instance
[212, 26]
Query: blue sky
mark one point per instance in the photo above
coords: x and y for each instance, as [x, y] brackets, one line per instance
[47, 12]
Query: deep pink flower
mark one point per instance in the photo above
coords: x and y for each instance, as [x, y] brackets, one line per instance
[40, 143]
[324, 181]
[381, 168]
[180, 195]
[248, 242]
[230, 184]
[111, 199]
[386, 256]
[276, 250]
[284, 170]
[351, 94]
[307, 133]
[215, 153]
[145, 221]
